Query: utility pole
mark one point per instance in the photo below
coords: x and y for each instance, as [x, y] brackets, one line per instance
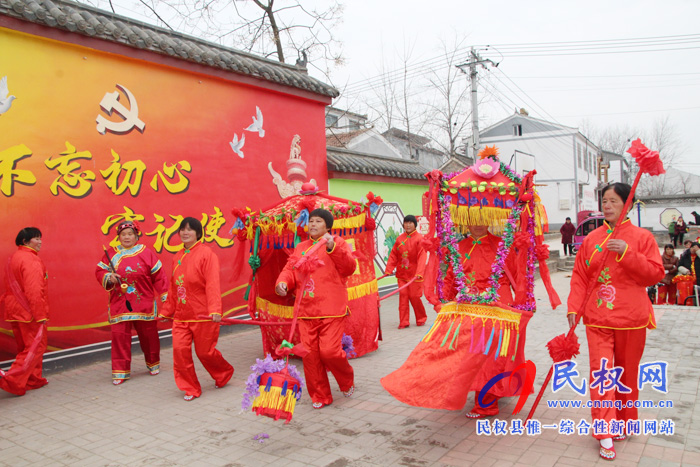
[474, 60]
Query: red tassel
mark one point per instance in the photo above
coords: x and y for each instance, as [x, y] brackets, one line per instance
[562, 348]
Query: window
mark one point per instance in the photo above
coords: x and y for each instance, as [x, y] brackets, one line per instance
[580, 162]
[586, 162]
[331, 120]
[517, 130]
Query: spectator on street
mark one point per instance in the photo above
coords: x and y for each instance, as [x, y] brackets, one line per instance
[672, 230]
[681, 229]
[670, 261]
[567, 236]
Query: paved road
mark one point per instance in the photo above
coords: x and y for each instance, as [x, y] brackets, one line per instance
[80, 418]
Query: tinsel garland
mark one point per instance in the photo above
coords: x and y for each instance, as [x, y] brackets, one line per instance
[268, 365]
[449, 240]
[529, 303]
[510, 173]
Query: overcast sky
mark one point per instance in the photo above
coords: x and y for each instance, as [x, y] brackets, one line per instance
[632, 86]
[643, 77]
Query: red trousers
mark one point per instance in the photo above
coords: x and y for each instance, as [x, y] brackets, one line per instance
[411, 294]
[121, 346]
[621, 348]
[25, 372]
[667, 293]
[205, 336]
[323, 339]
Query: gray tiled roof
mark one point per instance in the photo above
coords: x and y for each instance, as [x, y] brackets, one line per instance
[342, 160]
[93, 22]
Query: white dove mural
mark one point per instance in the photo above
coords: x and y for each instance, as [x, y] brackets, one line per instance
[6, 99]
[237, 145]
[257, 124]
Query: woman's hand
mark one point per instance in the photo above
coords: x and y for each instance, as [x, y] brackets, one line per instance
[216, 318]
[617, 246]
[114, 278]
[572, 319]
[281, 289]
[330, 243]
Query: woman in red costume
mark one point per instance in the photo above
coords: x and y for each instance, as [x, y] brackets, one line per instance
[323, 308]
[27, 308]
[618, 312]
[479, 253]
[136, 286]
[473, 369]
[194, 305]
[408, 258]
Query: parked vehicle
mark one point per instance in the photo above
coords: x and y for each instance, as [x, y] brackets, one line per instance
[586, 225]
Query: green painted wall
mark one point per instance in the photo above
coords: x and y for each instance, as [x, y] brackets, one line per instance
[407, 195]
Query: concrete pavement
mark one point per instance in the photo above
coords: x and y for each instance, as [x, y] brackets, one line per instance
[80, 418]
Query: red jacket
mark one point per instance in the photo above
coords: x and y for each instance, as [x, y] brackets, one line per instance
[147, 283]
[26, 271]
[619, 299]
[407, 257]
[478, 255]
[195, 290]
[326, 293]
[567, 232]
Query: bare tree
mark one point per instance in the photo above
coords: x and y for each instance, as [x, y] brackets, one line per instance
[662, 136]
[450, 105]
[264, 27]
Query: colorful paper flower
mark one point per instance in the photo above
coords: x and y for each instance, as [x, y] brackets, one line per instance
[648, 160]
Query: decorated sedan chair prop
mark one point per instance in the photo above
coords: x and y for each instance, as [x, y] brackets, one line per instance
[270, 235]
[480, 329]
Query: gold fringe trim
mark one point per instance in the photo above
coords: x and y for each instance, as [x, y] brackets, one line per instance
[464, 216]
[362, 290]
[350, 222]
[452, 310]
[287, 312]
[274, 400]
[280, 311]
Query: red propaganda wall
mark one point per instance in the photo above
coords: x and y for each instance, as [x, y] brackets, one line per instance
[94, 137]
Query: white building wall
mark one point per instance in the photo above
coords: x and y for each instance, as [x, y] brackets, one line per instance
[553, 157]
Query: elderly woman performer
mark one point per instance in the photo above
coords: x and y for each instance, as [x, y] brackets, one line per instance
[134, 277]
[27, 309]
[194, 305]
[617, 312]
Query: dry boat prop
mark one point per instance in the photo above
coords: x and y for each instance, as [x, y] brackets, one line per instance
[269, 236]
[474, 325]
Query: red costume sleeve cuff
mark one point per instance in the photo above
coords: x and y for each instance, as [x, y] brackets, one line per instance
[619, 258]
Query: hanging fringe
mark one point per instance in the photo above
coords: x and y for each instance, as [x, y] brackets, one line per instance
[276, 402]
[498, 347]
[488, 346]
[362, 290]
[464, 216]
[515, 351]
[506, 343]
[447, 334]
[433, 328]
[349, 222]
[280, 311]
[454, 338]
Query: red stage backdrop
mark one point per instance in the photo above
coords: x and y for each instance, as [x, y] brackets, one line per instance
[94, 138]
